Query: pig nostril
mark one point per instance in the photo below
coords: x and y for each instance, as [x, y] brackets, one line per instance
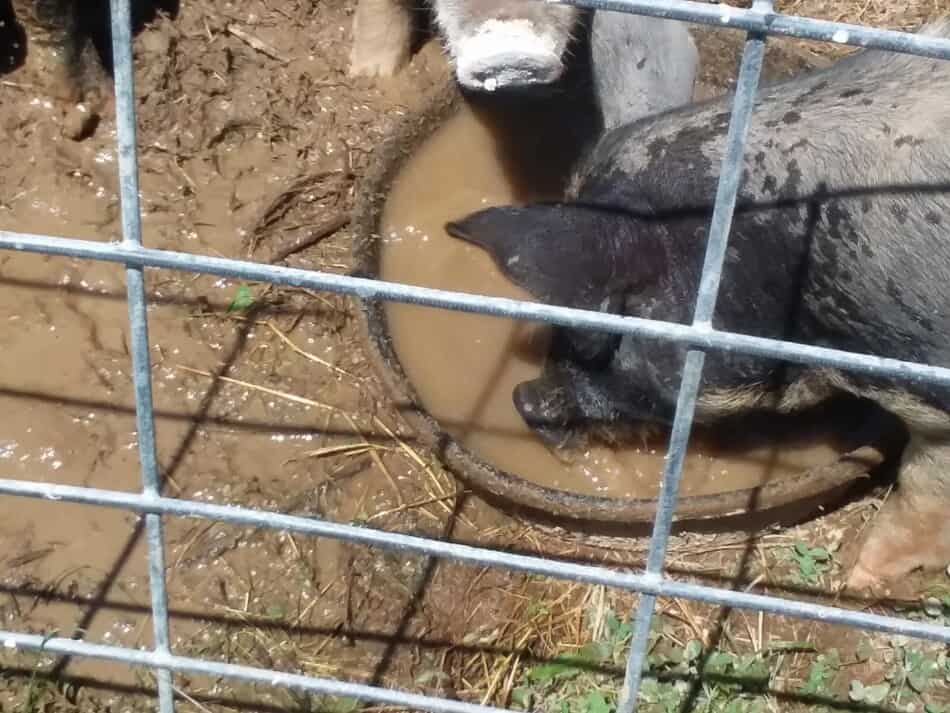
[506, 71]
[495, 67]
[508, 54]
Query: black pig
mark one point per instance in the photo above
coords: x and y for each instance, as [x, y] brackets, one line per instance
[839, 239]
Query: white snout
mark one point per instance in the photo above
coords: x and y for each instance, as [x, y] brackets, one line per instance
[507, 54]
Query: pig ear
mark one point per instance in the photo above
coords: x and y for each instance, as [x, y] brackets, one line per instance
[500, 231]
[561, 253]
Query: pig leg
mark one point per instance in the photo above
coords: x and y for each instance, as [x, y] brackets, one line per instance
[94, 83]
[912, 529]
[641, 66]
[53, 51]
[382, 37]
[62, 56]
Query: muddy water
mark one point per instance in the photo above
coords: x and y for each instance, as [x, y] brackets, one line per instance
[465, 366]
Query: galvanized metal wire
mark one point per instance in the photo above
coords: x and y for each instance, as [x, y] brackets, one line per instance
[141, 363]
[759, 22]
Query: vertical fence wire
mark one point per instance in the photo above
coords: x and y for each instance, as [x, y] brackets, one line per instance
[121, 26]
[750, 69]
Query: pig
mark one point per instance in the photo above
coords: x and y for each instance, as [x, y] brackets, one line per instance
[58, 35]
[12, 39]
[839, 239]
[640, 66]
[638, 62]
[492, 43]
[70, 43]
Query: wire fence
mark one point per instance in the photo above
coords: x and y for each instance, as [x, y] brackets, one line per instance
[758, 22]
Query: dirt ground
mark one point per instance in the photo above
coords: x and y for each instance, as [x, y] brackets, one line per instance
[251, 139]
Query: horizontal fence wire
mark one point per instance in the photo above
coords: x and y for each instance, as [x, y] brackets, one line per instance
[765, 21]
[268, 677]
[701, 336]
[469, 554]
[759, 22]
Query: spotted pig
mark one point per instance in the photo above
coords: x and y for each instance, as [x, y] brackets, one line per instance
[839, 239]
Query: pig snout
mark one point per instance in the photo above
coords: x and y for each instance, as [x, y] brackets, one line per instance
[508, 54]
[547, 410]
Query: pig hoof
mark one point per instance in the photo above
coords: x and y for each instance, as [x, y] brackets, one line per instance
[885, 555]
[377, 62]
[908, 535]
[862, 580]
[80, 123]
[382, 38]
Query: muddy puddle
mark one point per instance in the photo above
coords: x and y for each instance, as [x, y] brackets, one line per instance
[464, 366]
[68, 406]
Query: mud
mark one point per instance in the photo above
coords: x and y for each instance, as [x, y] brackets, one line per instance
[464, 366]
[240, 155]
